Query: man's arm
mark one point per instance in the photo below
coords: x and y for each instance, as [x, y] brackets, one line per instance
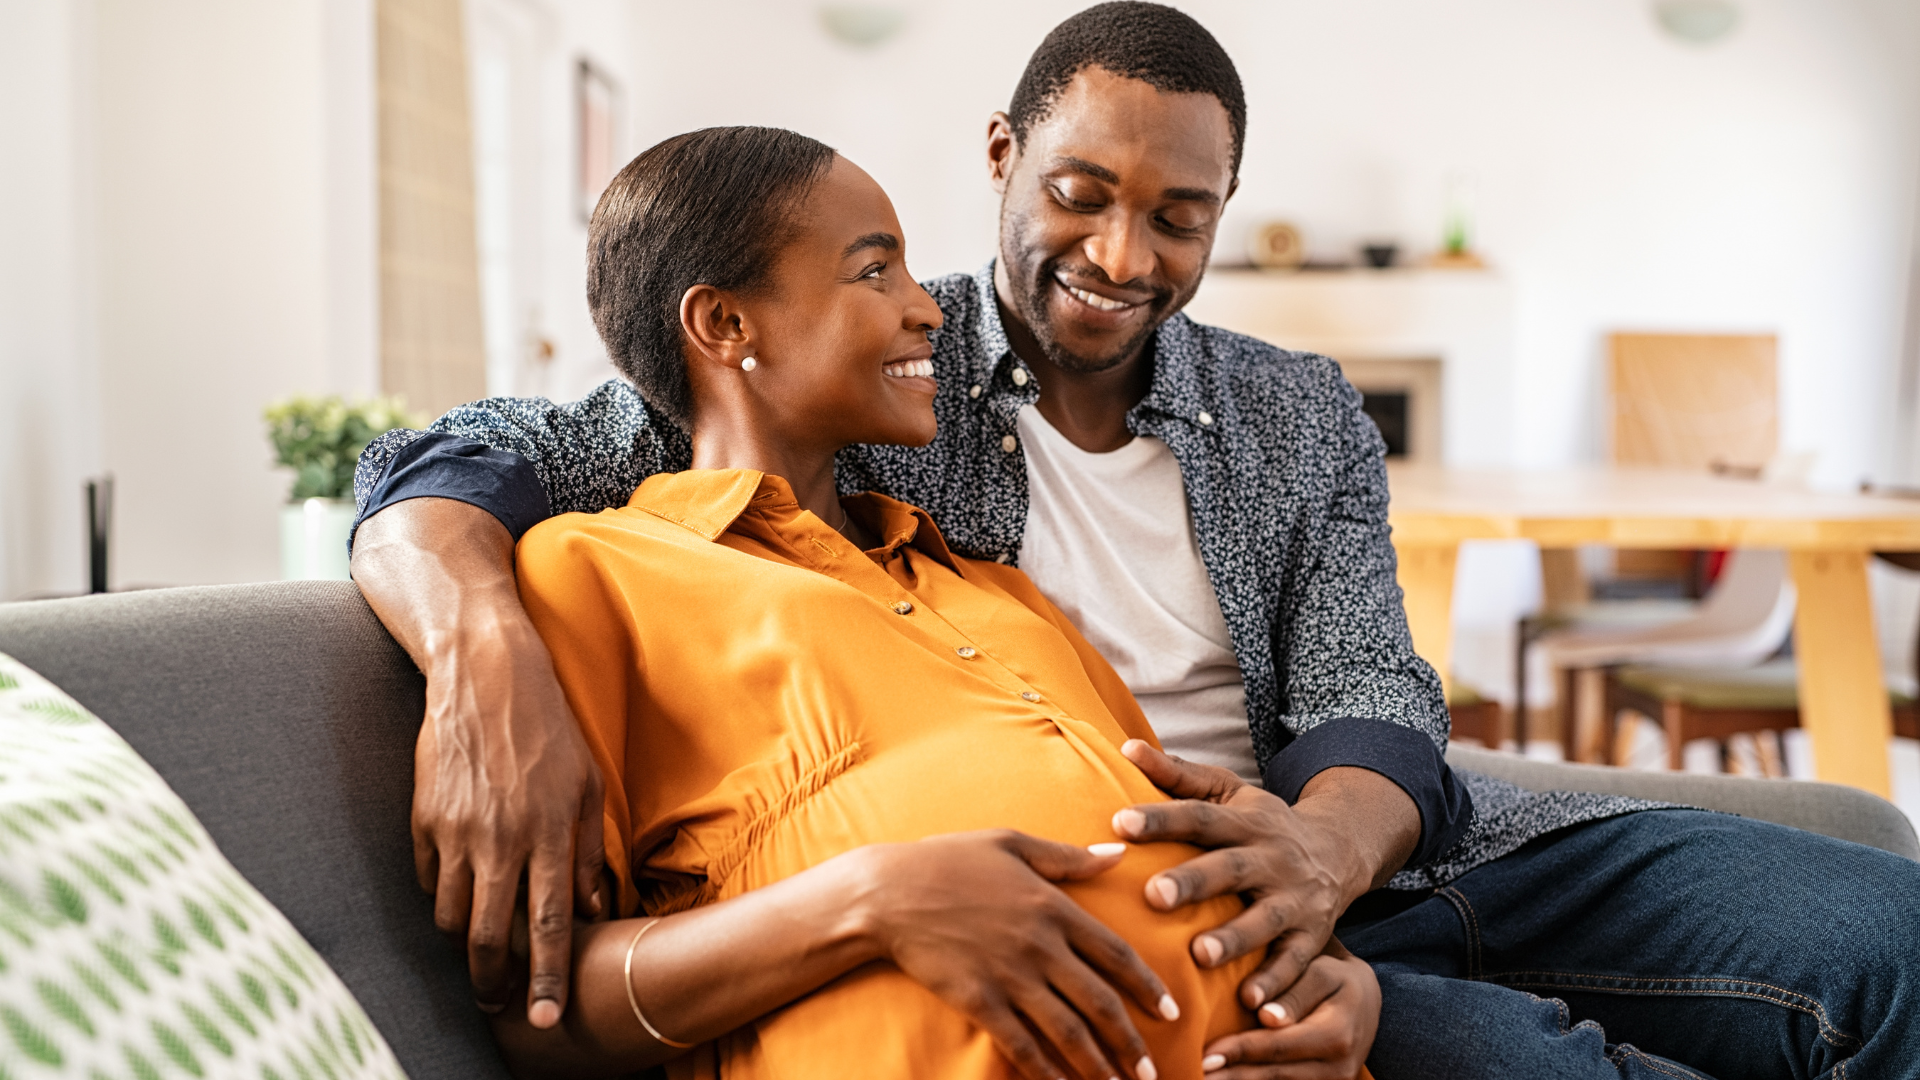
[503, 781]
[503, 778]
[1369, 789]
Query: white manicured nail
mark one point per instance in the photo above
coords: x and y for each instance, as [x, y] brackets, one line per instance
[1104, 850]
[1129, 822]
[1166, 890]
[1211, 949]
[1169, 1008]
[1145, 1070]
[1275, 1010]
[1212, 1062]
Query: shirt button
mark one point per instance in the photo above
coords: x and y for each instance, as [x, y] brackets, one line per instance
[1030, 695]
[1008, 444]
[902, 607]
[973, 391]
[1019, 376]
[1206, 418]
[966, 652]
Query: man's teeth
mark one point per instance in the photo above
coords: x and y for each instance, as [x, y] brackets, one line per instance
[906, 369]
[1094, 300]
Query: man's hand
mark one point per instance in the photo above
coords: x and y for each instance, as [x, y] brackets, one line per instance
[1320, 1028]
[975, 918]
[505, 788]
[1299, 866]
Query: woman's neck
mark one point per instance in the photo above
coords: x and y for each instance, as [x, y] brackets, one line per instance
[809, 472]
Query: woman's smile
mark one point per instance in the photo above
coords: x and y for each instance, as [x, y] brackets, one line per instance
[912, 373]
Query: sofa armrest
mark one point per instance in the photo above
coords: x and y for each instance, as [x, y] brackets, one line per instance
[1828, 809]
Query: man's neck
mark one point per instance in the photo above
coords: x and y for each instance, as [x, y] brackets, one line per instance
[1088, 408]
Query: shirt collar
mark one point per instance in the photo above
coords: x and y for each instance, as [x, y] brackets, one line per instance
[1177, 388]
[707, 502]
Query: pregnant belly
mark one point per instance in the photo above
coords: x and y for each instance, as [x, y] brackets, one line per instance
[1060, 781]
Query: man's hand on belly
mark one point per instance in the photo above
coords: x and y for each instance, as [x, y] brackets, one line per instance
[1298, 866]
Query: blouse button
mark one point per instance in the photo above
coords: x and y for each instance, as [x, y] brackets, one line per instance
[1008, 444]
[902, 607]
[973, 391]
[1030, 695]
[1206, 418]
[966, 652]
[1019, 376]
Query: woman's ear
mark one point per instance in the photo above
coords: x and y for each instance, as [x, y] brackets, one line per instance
[716, 329]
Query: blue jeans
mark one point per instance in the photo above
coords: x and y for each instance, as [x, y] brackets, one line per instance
[1667, 943]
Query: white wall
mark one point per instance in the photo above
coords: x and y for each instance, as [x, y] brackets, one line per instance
[49, 416]
[1623, 180]
[189, 224]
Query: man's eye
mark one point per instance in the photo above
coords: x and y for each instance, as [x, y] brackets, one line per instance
[873, 271]
[1183, 222]
[1067, 200]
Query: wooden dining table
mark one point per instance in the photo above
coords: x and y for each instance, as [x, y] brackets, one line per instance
[1829, 538]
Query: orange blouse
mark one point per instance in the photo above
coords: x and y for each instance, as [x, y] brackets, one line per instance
[761, 695]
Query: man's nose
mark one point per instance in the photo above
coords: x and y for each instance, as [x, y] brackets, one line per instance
[1122, 250]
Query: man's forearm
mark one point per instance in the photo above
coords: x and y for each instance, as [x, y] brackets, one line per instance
[437, 572]
[1377, 823]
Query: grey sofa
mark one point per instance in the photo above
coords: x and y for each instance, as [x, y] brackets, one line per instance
[285, 716]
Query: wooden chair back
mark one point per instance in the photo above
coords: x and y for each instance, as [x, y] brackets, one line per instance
[1695, 401]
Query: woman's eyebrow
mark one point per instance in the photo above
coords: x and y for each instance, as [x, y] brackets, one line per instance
[884, 240]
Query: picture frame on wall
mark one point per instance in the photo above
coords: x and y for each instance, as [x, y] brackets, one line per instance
[596, 121]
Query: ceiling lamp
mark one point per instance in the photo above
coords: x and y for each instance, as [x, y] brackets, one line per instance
[1697, 22]
[862, 25]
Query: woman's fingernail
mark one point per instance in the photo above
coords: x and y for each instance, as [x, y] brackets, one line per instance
[1212, 1062]
[1169, 1008]
[1258, 994]
[544, 1014]
[1166, 890]
[1129, 822]
[1275, 1010]
[1104, 850]
[1210, 950]
[1145, 1070]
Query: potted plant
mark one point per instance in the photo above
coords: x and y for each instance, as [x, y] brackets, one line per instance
[320, 439]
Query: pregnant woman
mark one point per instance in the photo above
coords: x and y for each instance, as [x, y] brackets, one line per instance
[826, 738]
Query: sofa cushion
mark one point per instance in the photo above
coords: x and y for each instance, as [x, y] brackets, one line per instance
[284, 715]
[128, 945]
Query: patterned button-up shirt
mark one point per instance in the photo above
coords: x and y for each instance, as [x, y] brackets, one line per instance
[1285, 478]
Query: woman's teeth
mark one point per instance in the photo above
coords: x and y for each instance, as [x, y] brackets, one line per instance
[1096, 301]
[906, 369]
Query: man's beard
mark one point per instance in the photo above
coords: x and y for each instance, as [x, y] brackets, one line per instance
[1030, 295]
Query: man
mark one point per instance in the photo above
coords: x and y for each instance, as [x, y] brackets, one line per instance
[1211, 512]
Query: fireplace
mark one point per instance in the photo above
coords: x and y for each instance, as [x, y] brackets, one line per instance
[1429, 350]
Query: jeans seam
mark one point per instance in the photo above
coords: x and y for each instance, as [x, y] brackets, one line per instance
[1464, 907]
[1780, 996]
[1654, 1064]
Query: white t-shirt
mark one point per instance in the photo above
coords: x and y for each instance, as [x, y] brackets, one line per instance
[1110, 542]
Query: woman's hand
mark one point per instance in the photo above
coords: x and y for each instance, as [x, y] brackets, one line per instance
[1320, 1028]
[976, 918]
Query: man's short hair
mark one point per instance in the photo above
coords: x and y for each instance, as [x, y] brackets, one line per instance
[1162, 47]
[710, 207]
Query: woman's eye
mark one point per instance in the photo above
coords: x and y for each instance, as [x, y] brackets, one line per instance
[873, 271]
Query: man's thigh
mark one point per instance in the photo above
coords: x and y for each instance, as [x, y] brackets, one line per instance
[1738, 947]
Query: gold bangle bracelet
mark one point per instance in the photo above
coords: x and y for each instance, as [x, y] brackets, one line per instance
[634, 1000]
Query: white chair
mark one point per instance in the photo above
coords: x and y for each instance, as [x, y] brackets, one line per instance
[1743, 620]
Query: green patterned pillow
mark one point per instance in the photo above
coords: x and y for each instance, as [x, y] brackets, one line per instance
[129, 947]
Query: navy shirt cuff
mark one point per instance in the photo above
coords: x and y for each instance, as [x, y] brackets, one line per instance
[441, 466]
[1401, 754]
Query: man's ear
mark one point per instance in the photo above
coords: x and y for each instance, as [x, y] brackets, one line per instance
[1002, 151]
[715, 328]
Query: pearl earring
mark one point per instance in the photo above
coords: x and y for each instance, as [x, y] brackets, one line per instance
[749, 364]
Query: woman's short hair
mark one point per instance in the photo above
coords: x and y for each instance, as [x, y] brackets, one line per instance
[710, 207]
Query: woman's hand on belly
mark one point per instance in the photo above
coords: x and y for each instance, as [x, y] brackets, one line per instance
[977, 919]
